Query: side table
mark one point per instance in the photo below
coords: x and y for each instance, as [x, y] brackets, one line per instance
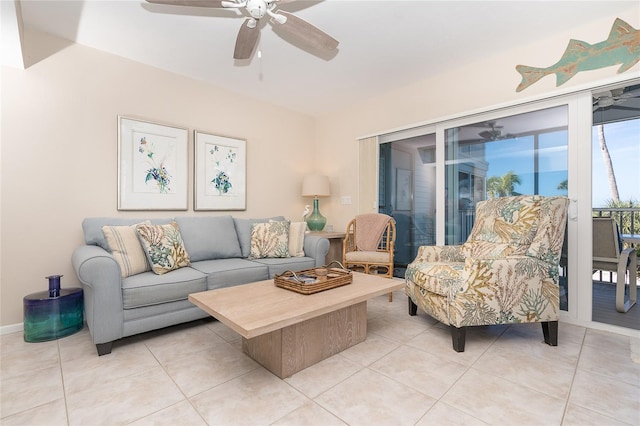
[49, 318]
[335, 245]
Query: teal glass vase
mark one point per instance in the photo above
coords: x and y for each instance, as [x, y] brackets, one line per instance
[316, 221]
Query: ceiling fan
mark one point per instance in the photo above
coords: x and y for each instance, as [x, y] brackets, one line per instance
[617, 98]
[494, 133]
[248, 35]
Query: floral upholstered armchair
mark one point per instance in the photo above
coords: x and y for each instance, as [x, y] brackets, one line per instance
[506, 271]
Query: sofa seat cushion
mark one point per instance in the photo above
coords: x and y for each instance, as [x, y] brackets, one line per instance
[208, 238]
[150, 289]
[230, 272]
[279, 265]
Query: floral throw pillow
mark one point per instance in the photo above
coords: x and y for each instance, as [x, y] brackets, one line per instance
[269, 239]
[163, 246]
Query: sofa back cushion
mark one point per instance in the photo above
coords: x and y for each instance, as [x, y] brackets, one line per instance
[243, 229]
[207, 238]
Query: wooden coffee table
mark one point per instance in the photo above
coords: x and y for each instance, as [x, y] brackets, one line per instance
[286, 331]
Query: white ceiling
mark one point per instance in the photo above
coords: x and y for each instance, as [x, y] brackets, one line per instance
[383, 44]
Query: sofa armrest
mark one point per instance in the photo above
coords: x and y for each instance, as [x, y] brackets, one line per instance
[101, 281]
[316, 247]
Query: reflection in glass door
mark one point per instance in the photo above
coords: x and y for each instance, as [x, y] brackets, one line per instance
[407, 192]
[512, 155]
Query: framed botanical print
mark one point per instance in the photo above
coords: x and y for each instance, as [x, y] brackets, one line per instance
[220, 172]
[152, 166]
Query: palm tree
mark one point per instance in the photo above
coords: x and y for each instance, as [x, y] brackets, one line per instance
[608, 164]
[503, 186]
[563, 186]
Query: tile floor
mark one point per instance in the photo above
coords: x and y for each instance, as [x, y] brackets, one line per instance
[405, 373]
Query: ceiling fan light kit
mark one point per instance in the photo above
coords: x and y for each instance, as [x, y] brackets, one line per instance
[247, 38]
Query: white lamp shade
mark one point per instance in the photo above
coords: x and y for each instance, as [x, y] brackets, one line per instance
[315, 186]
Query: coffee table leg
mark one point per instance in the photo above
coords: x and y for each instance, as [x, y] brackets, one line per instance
[286, 351]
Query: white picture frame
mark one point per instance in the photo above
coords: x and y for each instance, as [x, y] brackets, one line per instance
[152, 165]
[220, 172]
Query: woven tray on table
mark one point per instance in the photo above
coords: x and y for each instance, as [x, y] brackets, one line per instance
[309, 282]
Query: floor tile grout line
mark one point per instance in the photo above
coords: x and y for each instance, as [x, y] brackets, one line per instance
[399, 344]
[566, 408]
[64, 389]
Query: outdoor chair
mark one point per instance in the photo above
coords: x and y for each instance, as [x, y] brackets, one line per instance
[608, 255]
[506, 272]
[369, 245]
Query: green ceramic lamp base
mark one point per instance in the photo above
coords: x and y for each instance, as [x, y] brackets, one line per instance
[316, 221]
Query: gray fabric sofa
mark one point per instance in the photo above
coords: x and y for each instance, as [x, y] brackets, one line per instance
[218, 247]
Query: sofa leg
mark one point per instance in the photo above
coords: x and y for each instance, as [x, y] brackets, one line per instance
[104, 348]
[458, 336]
[413, 308]
[550, 332]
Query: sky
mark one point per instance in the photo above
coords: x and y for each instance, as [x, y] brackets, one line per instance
[623, 142]
[517, 155]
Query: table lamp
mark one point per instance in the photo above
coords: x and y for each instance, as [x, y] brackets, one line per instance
[316, 186]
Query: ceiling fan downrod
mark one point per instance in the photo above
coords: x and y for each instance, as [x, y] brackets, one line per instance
[257, 9]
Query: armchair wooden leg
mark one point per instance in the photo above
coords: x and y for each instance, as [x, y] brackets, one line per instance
[550, 332]
[458, 336]
[413, 308]
[390, 297]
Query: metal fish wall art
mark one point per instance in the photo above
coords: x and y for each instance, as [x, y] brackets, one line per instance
[621, 47]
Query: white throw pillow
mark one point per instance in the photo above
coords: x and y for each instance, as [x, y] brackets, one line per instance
[126, 248]
[296, 238]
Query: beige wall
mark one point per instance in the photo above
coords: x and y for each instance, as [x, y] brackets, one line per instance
[469, 88]
[59, 154]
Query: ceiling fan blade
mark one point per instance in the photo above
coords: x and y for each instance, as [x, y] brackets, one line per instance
[198, 3]
[308, 33]
[246, 41]
[625, 108]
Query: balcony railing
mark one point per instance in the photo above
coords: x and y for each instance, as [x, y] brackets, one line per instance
[628, 219]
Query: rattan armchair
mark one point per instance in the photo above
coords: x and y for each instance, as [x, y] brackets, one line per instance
[369, 245]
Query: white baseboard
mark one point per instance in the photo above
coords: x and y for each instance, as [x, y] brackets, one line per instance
[8, 329]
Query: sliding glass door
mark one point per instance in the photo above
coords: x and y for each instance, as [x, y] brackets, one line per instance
[543, 148]
[407, 192]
